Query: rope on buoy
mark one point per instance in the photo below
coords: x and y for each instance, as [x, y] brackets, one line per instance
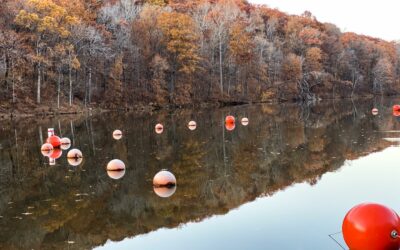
[337, 242]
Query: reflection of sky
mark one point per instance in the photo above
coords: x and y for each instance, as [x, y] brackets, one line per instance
[300, 217]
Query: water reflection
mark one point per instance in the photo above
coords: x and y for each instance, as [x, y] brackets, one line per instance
[217, 171]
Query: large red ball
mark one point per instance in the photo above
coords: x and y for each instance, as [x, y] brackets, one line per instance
[229, 119]
[396, 108]
[56, 154]
[370, 227]
[54, 140]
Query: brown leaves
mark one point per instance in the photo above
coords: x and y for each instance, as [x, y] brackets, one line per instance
[180, 40]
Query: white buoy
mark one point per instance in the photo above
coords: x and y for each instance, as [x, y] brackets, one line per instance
[192, 125]
[117, 134]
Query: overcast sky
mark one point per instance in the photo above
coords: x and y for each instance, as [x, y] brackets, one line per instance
[374, 18]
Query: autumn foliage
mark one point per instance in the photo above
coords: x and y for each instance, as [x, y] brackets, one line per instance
[119, 53]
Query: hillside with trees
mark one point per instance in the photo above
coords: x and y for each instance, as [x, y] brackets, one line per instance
[123, 53]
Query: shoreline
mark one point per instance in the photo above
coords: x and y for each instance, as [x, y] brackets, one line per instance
[46, 111]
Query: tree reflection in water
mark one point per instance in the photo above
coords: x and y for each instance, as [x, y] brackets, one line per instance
[46, 206]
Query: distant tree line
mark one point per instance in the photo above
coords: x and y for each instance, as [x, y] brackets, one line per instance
[118, 53]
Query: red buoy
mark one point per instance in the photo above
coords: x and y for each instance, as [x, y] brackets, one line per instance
[230, 126]
[396, 108]
[56, 153]
[375, 111]
[54, 140]
[371, 226]
[396, 113]
[229, 119]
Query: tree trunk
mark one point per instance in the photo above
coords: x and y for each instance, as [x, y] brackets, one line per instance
[220, 67]
[13, 83]
[90, 86]
[58, 89]
[39, 79]
[70, 81]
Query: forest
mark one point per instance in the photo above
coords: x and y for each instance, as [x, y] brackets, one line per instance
[172, 53]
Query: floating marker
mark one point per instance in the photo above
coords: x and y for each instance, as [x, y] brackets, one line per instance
[164, 184]
[117, 134]
[164, 178]
[396, 108]
[230, 126]
[164, 192]
[116, 175]
[47, 149]
[192, 125]
[229, 119]
[75, 161]
[115, 165]
[74, 154]
[116, 169]
[370, 227]
[54, 140]
[56, 153]
[159, 128]
[375, 111]
[245, 121]
[65, 143]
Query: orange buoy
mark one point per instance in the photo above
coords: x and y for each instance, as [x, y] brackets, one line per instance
[56, 153]
[74, 154]
[75, 161]
[245, 121]
[230, 126]
[54, 140]
[371, 226]
[117, 134]
[47, 149]
[164, 184]
[159, 128]
[396, 108]
[192, 125]
[229, 119]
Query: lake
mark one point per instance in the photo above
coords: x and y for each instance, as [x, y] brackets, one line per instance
[284, 181]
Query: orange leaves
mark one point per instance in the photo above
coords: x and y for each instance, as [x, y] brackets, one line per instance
[310, 36]
[292, 68]
[313, 59]
[180, 40]
[45, 16]
[241, 43]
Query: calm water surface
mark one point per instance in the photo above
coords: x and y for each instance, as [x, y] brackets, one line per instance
[285, 181]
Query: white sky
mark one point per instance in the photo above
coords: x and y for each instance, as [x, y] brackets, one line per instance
[374, 18]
